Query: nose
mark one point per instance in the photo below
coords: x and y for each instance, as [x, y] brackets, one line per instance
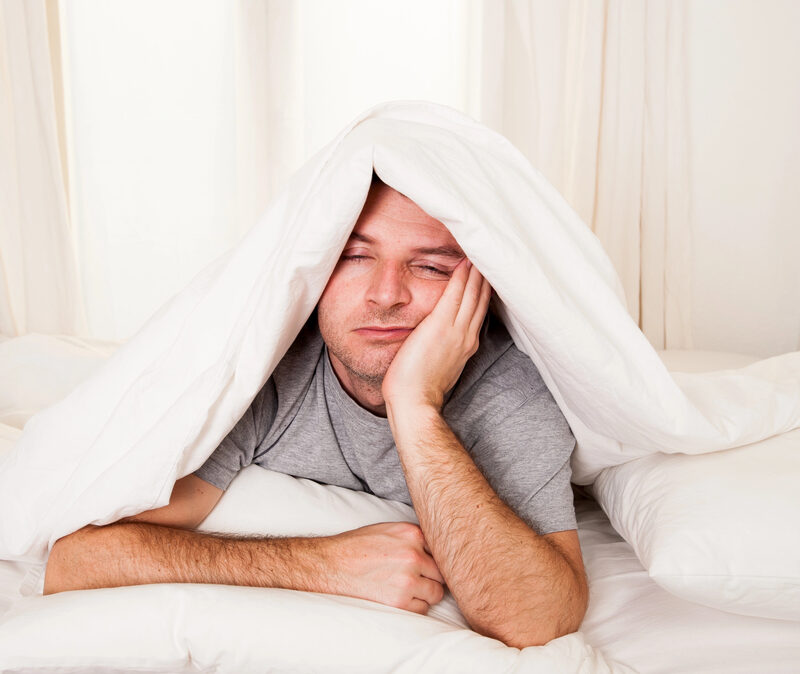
[387, 285]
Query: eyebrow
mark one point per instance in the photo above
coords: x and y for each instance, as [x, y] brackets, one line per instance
[444, 251]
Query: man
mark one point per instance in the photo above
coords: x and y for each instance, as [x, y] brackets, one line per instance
[405, 385]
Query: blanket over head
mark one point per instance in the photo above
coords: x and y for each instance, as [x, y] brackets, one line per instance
[163, 402]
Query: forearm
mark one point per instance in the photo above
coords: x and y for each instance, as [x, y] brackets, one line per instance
[509, 582]
[139, 553]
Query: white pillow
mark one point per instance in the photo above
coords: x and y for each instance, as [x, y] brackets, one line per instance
[264, 501]
[261, 501]
[719, 529]
[37, 371]
[190, 627]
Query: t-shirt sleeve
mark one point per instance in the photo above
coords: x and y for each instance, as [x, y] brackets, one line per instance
[237, 449]
[525, 456]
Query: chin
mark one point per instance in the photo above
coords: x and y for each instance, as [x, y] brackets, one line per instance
[368, 361]
[375, 364]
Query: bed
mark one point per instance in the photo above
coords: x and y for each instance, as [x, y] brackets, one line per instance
[632, 624]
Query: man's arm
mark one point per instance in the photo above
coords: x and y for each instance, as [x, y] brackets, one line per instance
[191, 501]
[509, 582]
[383, 562]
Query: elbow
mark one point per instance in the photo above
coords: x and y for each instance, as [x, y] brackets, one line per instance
[566, 620]
[542, 633]
[57, 563]
[535, 634]
[63, 569]
[538, 625]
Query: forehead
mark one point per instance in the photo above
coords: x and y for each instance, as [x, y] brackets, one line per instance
[390, 218]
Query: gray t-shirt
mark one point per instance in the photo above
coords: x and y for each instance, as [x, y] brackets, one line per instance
[303, 423]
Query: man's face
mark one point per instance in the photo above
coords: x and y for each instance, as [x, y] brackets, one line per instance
[392, 271]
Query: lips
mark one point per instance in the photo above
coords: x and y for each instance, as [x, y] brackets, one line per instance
[386, 327]
[387, 333]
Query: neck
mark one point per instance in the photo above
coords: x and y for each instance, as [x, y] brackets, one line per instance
[367, 393]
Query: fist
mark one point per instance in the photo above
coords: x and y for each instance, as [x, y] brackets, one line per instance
[388, 563]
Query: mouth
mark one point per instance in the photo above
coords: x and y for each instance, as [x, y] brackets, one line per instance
[387, 333]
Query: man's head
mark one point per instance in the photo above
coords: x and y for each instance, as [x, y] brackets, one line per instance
[392, 271]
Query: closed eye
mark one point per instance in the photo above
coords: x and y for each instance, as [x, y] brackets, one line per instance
[434, 270]
[426, 268]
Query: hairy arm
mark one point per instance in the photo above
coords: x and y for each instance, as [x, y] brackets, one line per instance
[384, 562]
[510, 583]
[139, 553]
[381, 562]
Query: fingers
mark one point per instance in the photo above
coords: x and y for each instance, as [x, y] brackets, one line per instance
[426, 594]
[428, 586]
[394, 566]
[450, 301]
[474, 303]
[429, 569]
[483, 306]
[418, 606]
[429, 591]
[465, 299]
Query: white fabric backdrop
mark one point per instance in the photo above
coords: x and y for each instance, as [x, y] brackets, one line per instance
[38, 280]
[595, 95]
[745, 145]
[641, 113]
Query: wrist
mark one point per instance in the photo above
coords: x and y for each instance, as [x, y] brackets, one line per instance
[337, 574]
[410, 418]
[401, 403]
[411, 407]
[315, 564]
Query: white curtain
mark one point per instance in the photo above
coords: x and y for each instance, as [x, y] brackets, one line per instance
[270, 132]
[38, 281]
[305, 68]
[595, 94]
[198, 111]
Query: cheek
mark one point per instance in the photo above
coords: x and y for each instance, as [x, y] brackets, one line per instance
[329, 304]
[337, 290]
[427, 295]
[340, 305]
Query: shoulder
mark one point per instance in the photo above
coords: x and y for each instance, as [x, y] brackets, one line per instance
[501, 385]
[292, 377]
[498, 368]
[301, 358]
